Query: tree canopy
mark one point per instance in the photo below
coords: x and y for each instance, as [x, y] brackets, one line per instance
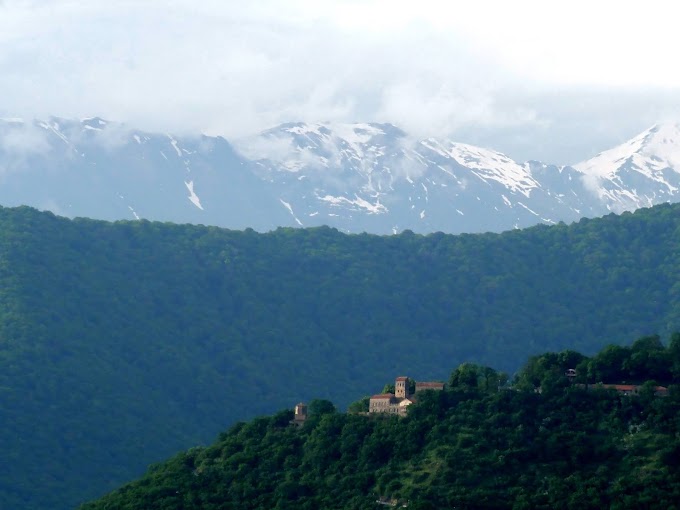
[122, 343]
[471, 446]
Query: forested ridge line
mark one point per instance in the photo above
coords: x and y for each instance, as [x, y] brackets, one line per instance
[122, 343]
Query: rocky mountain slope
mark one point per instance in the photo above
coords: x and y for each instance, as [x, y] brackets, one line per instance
[378, 178]
[355, 177]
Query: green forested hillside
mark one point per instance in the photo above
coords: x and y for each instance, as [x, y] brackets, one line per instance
[122, 343]
[473, 446]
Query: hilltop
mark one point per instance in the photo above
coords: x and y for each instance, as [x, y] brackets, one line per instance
[473, 445]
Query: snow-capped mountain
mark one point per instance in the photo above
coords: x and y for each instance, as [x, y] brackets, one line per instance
[104, 170]
[356, 177]
[377, 178]
[641, 172]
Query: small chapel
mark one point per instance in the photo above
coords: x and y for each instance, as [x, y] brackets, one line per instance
[300, 416]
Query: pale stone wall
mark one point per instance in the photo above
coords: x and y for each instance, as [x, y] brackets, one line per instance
[379, 405]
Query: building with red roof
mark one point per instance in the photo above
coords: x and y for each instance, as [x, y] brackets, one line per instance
[397, 403]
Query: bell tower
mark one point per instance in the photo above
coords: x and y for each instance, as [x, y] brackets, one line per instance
[401, 387]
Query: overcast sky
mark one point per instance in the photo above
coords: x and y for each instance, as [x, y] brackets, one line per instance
[556, 81]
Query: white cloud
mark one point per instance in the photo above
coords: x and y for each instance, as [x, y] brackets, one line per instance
[433, 112]
[273, 148]
[234, 68]
[24, 138]
[21, 142]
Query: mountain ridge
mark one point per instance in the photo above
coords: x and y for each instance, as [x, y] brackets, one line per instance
[650, 161]
[358, 177]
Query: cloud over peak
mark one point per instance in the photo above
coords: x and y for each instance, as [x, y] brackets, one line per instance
[234, 69]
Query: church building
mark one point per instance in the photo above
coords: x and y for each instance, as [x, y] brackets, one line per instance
[397, 403]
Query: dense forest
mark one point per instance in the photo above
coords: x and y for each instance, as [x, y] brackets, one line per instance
[123, 343]
[544, 442]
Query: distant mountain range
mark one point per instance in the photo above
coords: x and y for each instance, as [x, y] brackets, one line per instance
[355, 177]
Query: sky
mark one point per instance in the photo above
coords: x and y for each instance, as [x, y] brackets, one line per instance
[553, 81]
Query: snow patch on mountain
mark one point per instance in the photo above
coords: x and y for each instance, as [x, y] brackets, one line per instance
[54, 128]
[486, 164]
[356, 204]
[134, 213]
[192, 195]
[290, 210]
[173, 142]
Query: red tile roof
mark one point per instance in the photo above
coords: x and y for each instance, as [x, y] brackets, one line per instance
[429, 385]
[383, 395]
[402, 378]
[630, 387]
[621, 387]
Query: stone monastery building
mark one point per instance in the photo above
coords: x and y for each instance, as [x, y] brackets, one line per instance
[397, 403]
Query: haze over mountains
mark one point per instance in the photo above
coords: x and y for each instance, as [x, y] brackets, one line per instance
[355, 177]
